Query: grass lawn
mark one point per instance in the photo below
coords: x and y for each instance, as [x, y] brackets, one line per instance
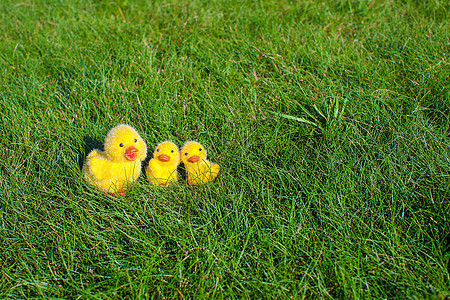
[330, 120]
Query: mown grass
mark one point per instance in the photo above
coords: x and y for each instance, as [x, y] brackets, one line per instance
[355, 209]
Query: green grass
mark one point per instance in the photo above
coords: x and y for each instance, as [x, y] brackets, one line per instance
[346, 205]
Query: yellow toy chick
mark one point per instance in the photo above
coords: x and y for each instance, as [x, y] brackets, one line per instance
[162, 168]
[199, 170]
[119, 165]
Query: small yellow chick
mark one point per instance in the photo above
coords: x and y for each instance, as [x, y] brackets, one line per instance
[199, 170]
[119, 165]
[162, 168]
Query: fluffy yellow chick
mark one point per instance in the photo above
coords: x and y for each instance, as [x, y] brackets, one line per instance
[199, 170]
[119, 165]
[162, 168]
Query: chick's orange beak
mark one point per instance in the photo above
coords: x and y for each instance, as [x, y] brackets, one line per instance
[130, 153]
[164, 158]
[193, 159]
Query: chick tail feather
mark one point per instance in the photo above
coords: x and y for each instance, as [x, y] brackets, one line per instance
[215, 168]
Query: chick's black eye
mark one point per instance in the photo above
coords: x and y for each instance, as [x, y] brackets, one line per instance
[185, 153]
[135, 140]
[157, 150]
[171, 151]
[200, 149]
[121, 145]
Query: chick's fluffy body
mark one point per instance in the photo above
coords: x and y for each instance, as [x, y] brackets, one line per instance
[199, 170]
[120, 164]
[162, 168]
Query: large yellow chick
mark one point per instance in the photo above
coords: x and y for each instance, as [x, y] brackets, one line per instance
[199, 170]
[162, 168]
[119, 165]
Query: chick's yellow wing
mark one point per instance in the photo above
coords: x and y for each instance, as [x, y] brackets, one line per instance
[98, 165]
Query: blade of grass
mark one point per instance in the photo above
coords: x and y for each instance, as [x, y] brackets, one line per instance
[298, 119]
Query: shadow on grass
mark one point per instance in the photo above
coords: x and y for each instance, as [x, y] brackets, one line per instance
[89, 145]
